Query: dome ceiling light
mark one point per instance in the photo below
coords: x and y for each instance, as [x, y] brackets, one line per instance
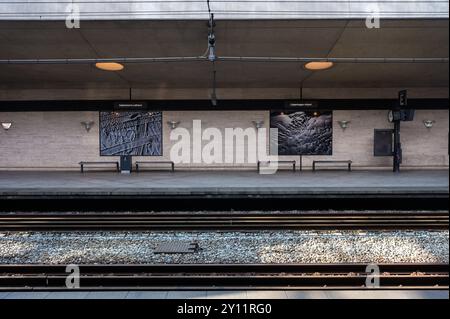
[317, 66]
[109, 66]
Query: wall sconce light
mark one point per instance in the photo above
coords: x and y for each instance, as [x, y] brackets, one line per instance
[6, 125]
[258, 124]
[88, 125]
[344, 124]
[429, 123]
[173, 125]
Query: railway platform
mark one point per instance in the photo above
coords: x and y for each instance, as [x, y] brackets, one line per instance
[240, 294]
[223, 184]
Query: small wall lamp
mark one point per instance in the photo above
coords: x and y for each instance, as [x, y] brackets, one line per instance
[88, 125]
[344, 124]
[173, 124]
[6, 125]
[258, 124]
[429, 123]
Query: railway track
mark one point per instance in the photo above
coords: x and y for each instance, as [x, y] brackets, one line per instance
[224, 276]
[217, 221]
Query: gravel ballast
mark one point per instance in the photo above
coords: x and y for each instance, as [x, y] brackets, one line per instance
[226, 247]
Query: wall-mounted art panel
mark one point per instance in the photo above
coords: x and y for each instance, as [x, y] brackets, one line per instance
[303, 132]
[131, 133]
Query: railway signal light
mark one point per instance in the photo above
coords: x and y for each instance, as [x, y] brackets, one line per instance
[403, 98]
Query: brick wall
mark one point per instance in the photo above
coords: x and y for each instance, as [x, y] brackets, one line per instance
[40, 140]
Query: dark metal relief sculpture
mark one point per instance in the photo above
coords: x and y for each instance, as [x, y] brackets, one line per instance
[131, 133]
[303, 133]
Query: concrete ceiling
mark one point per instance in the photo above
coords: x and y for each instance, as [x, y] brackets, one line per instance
[301, 38]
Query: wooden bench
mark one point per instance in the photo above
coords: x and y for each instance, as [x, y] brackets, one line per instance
[140, 163]
[82, 164]
[293, 163]
[349, 163]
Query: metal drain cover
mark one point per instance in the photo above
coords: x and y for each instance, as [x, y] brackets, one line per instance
[175, 247]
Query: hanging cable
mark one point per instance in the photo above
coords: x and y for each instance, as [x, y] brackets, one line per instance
[212, 52]
[214, 85]
[211, 35]
[211, 41]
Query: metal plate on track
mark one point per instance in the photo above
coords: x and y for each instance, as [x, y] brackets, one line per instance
[175, 247]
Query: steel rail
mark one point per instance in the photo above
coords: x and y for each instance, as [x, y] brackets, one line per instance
[212, 221]
[225, 276]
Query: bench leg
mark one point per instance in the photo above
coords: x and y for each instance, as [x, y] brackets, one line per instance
[314, 167]
[117, 166]
[137, 168]
[81, 168]
[293, 167]
[349, 167]
[258, 166]
[173, 167]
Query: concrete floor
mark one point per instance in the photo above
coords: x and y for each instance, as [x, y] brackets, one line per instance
[251, 294]
[222, 182]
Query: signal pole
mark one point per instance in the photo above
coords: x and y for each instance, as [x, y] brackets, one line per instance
[397, 147]
[402, 103]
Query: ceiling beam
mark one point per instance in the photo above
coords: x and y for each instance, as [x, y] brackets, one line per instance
[228, 59]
